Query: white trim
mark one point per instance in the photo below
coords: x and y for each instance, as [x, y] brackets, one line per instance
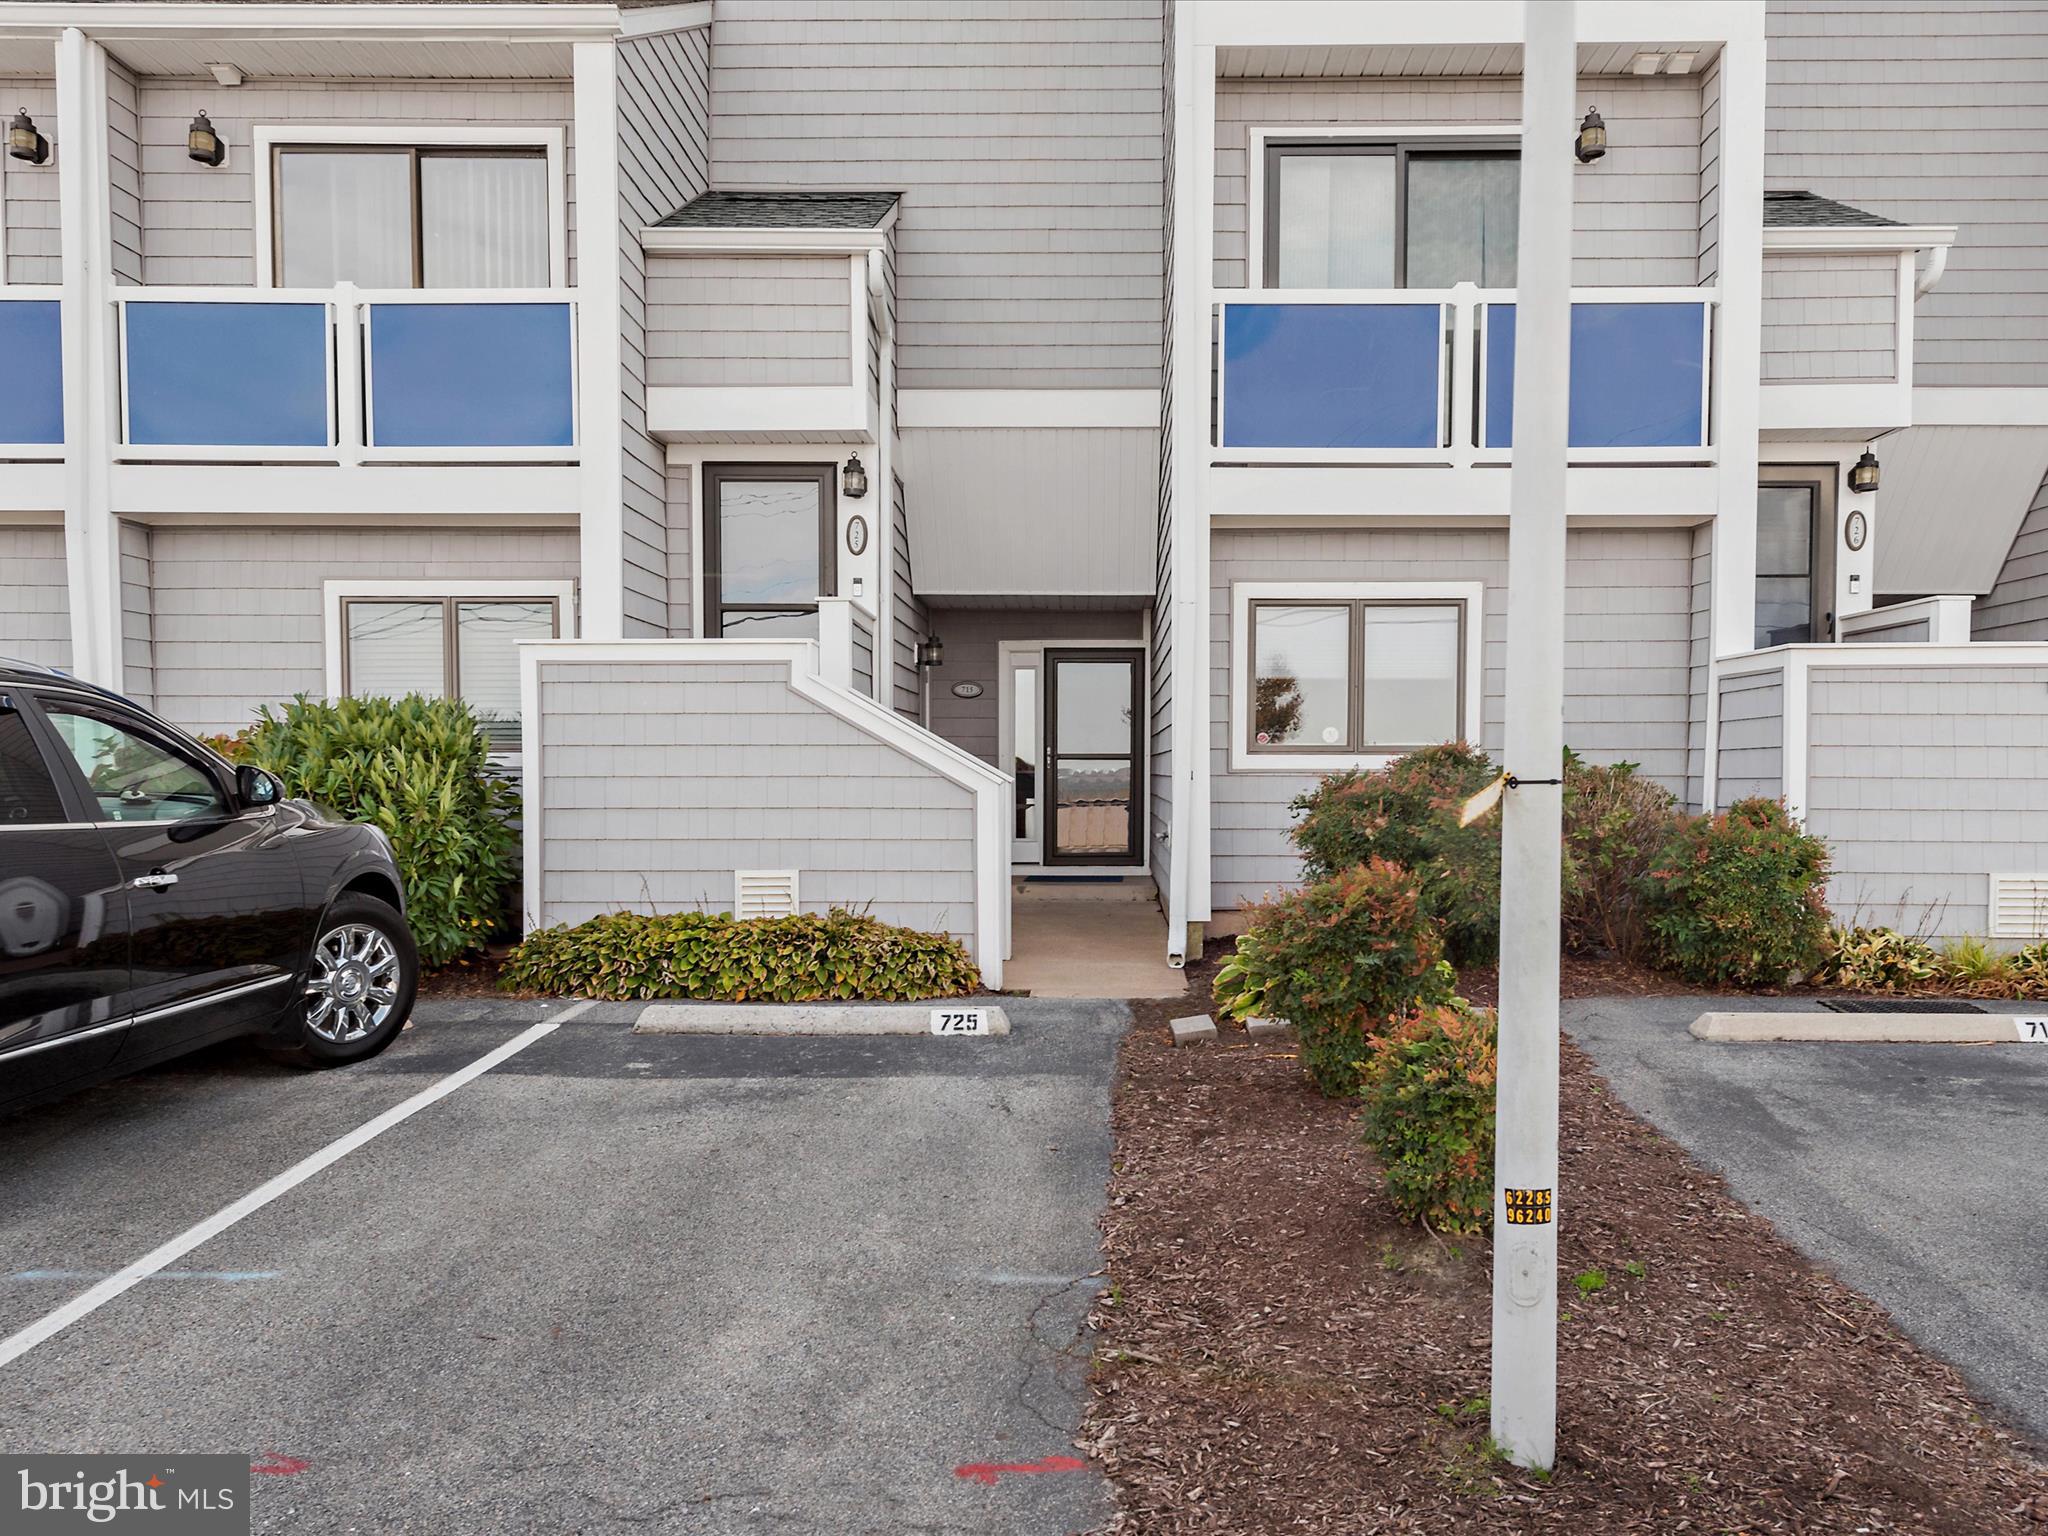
[944, 409]
[1738, 331]
[1399, 23]
[1990, 406]
[1006, 735]
[295, 20]
[1865, 240]
[600, 364]
[697, 412]
[989, 786]
[1946, 615]
[1243, 593]
[1853, 410]
[700, 240]
[265, 137]
[661, 20]
[333, 591]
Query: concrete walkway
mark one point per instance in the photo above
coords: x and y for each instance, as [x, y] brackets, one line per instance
[1089, 941]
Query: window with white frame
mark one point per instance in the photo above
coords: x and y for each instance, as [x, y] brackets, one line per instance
[1391, 213]
[410, 216]
[407, 639]
[1329, 673]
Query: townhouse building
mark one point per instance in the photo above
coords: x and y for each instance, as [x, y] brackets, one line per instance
[876, 453]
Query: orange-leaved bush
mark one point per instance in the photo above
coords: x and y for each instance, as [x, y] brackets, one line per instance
[1428, 1086]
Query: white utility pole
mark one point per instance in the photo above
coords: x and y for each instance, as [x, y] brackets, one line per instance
[1525, 1155]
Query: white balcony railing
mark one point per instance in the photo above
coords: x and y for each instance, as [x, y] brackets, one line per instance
[347, 375]
[1408, 376]
[30, 340]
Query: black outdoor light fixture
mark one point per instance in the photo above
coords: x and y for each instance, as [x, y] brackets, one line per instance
[1591, 143]
[203, 144]
[1863, 473]
[853, 479]
[931, 652]
[24, 142]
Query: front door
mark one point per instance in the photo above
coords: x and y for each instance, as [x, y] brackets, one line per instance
[1091, 793]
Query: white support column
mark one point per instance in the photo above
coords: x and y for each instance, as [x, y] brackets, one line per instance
[1736, 346]
[1191, 631]
[599, 365]
[92, 544]
[1525, 1157]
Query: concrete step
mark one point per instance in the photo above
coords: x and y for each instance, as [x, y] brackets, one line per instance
[1137, 888]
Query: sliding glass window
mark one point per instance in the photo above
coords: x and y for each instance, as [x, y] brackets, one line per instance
[1391, 215]
[1357, 676]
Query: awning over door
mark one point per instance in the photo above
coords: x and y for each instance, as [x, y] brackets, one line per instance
[1951, 504]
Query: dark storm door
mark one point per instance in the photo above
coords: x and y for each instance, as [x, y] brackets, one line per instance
[1094, 765]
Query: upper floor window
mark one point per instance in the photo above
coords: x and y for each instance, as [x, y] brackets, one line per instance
[1391, 214]
[399, 216]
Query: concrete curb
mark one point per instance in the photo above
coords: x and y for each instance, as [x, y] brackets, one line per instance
[1865, 1028]
[800, 1019]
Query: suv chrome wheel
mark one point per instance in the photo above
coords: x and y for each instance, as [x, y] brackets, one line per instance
[354, 983]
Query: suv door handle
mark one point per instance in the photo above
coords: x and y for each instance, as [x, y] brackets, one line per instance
[154, 881]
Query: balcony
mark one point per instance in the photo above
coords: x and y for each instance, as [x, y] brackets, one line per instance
[1426, 377]
[30, 341]
[347, 376]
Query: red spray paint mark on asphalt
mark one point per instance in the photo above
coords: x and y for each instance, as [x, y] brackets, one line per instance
[276, 1464]
[986, 1472]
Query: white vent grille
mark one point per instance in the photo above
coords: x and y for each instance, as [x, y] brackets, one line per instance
[763, 893]
[2019, 906]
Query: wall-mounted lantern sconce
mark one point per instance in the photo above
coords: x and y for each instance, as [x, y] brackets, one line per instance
[931, 652]
[853, 479]
[1591, 143]
[24, 142]
[203, 144]
[1863, 473]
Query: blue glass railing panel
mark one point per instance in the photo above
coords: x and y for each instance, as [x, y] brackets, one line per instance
[207, 374]
[1332, 375]
[1638, 375]
[472, 376]
[32, 360]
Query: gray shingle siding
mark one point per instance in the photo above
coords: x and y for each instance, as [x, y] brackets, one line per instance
[1925, 781]
[1830, 318]
[28, 193]
[1628, 642]
[1025, 139]
[1637, 218]
[2016, 608]
[35, 604]
[1911, 631]
[664, 160]
[682, 574]
[747, 320]
[1710, 174]
[237, 616]
[1750, 755]
[138, 606]
[912, 623]
[659, 779]
[1930, 113]
[124, 174]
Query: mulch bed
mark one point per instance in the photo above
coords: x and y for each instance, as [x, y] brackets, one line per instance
[1278, 1352]
[475, 976]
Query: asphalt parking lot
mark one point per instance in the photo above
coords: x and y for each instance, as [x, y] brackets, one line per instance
[1912, 1172]
[615, 1282]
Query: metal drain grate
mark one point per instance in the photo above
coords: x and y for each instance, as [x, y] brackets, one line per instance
[1902, 1005]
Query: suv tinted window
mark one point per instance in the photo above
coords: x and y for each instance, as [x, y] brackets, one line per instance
[133, 777]
[28, 795]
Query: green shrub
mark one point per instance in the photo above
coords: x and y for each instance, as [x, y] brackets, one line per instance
[1407, 814]
[1615, 824]
[1336, 960]
[1737, 898]
[418, 768]
[1972, 966]
[1876, 960]
[1428, 1086]
[806, 958]
[2028, 969]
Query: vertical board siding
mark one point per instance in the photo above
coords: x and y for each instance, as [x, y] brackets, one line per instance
[1636, 214]
[2016, 608]
[138, 636]
[715, 320]
[1628, 628]
[664, 87]
[124, 174]
[1021, 511]
[1924, 781]
[198, 222]
[1830, 318]
[35, 603]
[1929, 112]
[660, 778]
[1025, 139]
[1750, 753]
[1699, 666]
[972, 635]
[912, 621]
[238, 620]
[28, 193]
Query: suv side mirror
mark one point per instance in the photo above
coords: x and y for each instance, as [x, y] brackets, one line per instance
[253, 786]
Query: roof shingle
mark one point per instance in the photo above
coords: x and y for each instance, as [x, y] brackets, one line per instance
[1809, 210]
[782, 210]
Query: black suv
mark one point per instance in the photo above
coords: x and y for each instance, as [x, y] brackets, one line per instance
[154, 898]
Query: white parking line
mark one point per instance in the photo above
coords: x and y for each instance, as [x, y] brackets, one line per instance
[87, 1302]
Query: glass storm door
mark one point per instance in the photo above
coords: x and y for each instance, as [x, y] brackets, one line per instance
[1092, 758]
[1024, 698]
